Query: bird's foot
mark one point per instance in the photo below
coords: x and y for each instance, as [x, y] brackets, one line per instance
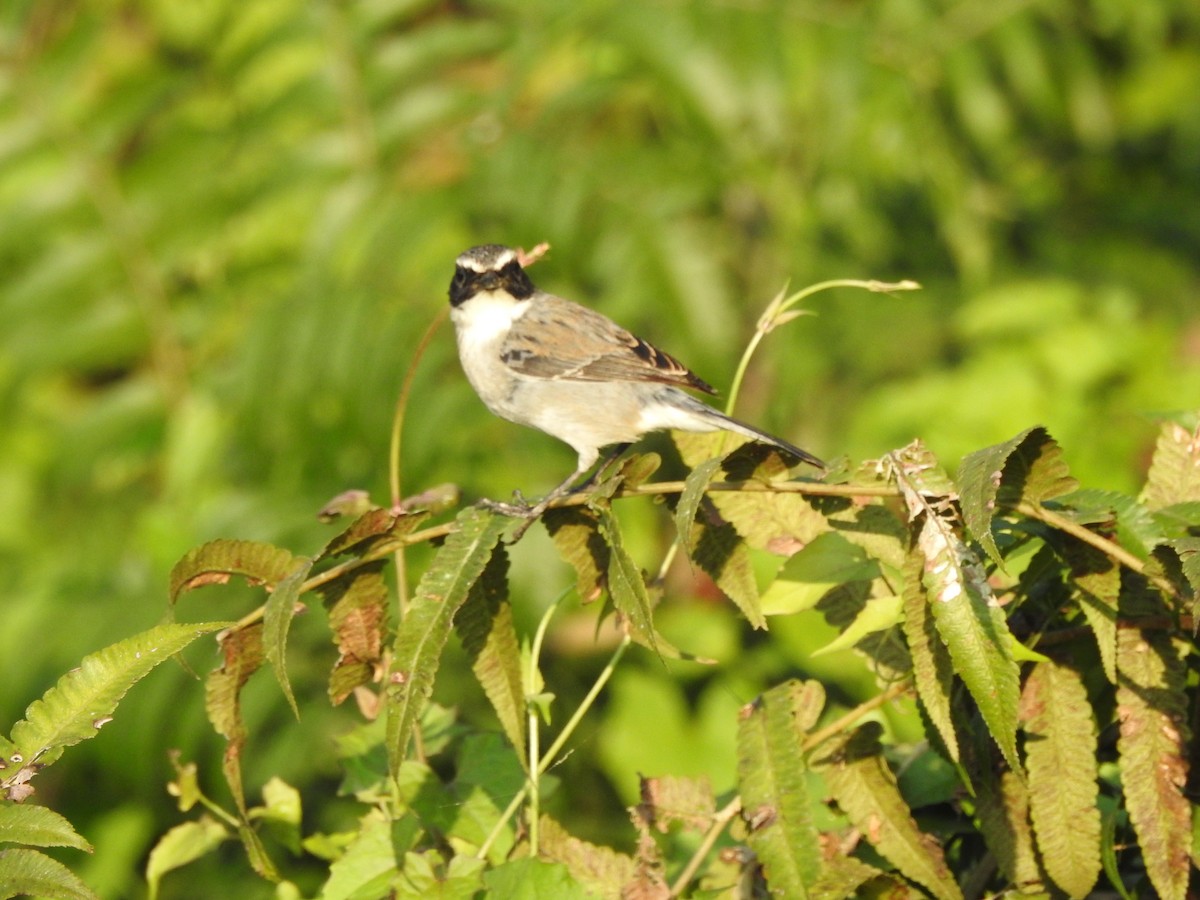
[520, 508]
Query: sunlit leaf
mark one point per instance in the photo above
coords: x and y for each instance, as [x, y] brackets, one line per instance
[826, 562]
[1060, 758]
[183, 844]
[1175, 470]
[38, 826]
[427, 623]
[933, 673]
[1152, 709]
[485, 626]
[214, 562]
[865, 789]
[85, 699]
[772, 777]
[31, 873]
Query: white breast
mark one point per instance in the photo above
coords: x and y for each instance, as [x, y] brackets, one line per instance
[481, 325]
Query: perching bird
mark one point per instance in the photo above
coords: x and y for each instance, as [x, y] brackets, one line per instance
[539, 360]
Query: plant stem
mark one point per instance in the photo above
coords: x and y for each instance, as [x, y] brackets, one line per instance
[720, 820]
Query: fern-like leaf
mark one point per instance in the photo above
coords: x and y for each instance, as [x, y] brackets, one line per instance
[1151, 706]
[772, 777]
[214, 562]
[38, 826]
[1175, 470]
[242, 651]
[485, 626]
[32, 873]
[626, 585]
[278, 613]
[576, 533]
[1026, 467]
[357, 602]
[1061, 764]
[865, 789]
[84, 699]
[933, 673]
[602, 870]
[423, 633]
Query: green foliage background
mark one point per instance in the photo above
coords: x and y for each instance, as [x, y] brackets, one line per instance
[224, 227]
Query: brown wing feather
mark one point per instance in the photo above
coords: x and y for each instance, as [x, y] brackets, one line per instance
[561, 340]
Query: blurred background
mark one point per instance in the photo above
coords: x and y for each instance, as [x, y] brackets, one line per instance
[224, 226]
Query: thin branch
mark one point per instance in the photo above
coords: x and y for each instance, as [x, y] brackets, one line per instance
[720, 821]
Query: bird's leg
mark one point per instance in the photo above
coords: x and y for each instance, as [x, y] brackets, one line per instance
[523, 510]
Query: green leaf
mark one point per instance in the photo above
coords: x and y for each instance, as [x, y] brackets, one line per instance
[719, 550]
[485, 626]
[214, 562]
[278, 613]
[181, 845]
[772, 779]
[1137, 528]
[973, 628]
[368, 857]
[39, 827]
[1002, 803]
[626, 586]
[1060, 759]
[933, 672]
[1027, 467]
[1175, 470]
[694, 489]
[601, 870]
[1095, 582]
[84, 699]
[865, 789]
[426, 626]
[30, 872]
[576, 534]
[827, 562]
[532, 879]
[1152, 744]
[879, 614]
[357, 602]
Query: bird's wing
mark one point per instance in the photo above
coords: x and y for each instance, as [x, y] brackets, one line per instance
[561, 340]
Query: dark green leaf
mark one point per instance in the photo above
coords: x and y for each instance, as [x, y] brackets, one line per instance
[278, 613]
[32, 873]
[426, 626]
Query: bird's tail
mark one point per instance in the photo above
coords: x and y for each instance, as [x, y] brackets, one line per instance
[727, 423]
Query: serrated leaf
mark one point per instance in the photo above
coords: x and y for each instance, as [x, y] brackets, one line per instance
[278, 613]
[32, 873]
[485, 627]
[1136, 528]
[1152, 744]
[973, 628]
[84, 699]
[668, 799]
[694, 489]
[772, 778]
[357, 602]
[626, 585]
[826, 562]
[576, 534]
[369, 529]
[426, 626]
[879, 614]
[933, 672]
[1060, 761]
[865, 789]
[843, 876]
[1174, 475]
[601, 870]
[39, 827]
[1095, 582]
[181, 845]
[1027, 467]
[214, 562]
[719, 550]
[1002, 803]
[242, 651]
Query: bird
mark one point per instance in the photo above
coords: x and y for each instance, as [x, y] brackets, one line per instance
[538, 360]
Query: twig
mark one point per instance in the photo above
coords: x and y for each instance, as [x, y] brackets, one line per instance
[720, 820]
